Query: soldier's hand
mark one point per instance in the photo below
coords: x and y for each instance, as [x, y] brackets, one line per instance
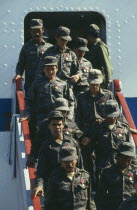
[23, 118]
[74, 78]
[99, 121]
[38, 191]
[85, 141]
[17, 77]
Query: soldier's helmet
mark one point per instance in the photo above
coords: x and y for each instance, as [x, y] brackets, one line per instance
[135, 176]
[36, 24]
[64, 33]
[95, 76]
[55, 115]
[81, 44]
[61, 104]
[111, 108]
[50, 61]
[93, 30]
[127, 149]
[68, 153]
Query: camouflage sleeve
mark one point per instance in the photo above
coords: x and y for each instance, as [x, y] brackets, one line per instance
[42, 168]
[90, 202]
[74, 67]
[105, 61]
[21, 62]
[50, 197]
[29, 100]
[68, 94]
[102, 192]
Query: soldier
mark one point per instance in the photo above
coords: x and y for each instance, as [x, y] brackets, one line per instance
[45, 90]
[70, 127]
[31, 53]
[49, 152]
[69, 187]
[98, 54]
[116, 182]
[110, 134]
[131, 203]
[90, 103]
[67, 64]
[84, 66]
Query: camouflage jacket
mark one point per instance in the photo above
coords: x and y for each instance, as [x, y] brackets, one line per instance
[29, 58]
[90, 108]
[70, 130]
[42, 94]
[114, 187]
[48, 158]
[107, 142]
[98, 55]
[84, 67]
[67, 62]
[64, 193]
[129, 204]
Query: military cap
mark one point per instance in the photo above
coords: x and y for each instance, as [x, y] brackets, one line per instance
[135, 176]
[111, 108]
[93, 29]
[68, 153]
[81, 44]
[61, 104]
[95, 76]
[55, 115]
[64, 33]
[50, 61]
[127, 149]
[36, 23]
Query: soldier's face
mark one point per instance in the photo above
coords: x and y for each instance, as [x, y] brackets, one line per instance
[61, 43]
[94, 88]
[56, 128]
[37, 33]
[111, 120]
[69, 166]
[124, 161]
[50, 72]
[79, 53]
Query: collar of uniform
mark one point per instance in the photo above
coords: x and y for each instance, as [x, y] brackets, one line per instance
[42, 42]
[62, 51]
[127, 169]
[101, 92]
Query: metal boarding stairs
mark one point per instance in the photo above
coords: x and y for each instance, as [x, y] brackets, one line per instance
[20, 145]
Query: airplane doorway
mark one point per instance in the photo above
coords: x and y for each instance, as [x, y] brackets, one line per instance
[77, 22]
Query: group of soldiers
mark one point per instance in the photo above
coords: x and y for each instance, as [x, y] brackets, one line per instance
[81, 141]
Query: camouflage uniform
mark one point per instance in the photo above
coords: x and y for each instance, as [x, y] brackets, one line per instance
[67, 64]
[114, 187]
[107, 143]
[129, 204]
[71, 130]
[42, 94]
[82, 85]
[49, 158]
[64, 193]
[90, 109]
[29, 58]
[84, 66]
